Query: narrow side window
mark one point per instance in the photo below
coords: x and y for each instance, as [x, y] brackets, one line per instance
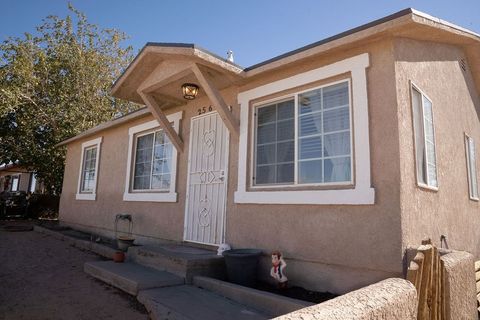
[88, 169]
[424, 132]
[88, 177]
[471, 168]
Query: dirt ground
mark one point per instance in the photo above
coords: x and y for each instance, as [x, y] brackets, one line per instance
[42, 278]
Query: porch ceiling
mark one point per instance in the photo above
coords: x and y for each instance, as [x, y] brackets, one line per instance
[162, 68]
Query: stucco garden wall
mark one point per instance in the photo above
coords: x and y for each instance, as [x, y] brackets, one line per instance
[460, 290]
[393, 299]
[436, 69]
[396, 298]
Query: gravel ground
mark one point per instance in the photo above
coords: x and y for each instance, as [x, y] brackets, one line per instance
[42, 278]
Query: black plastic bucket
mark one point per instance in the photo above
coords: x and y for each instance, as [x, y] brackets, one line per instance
[242, 266]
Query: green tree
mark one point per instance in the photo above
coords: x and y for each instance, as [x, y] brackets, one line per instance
[55, 84]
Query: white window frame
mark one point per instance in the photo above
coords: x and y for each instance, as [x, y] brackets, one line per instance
[472, 179]
[419, 183]
[294, 97]
[32, 183]
[361, 193]
[16, 176]
[169, 195]
[83, 195]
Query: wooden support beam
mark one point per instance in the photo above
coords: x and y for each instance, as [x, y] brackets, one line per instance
[216, 98]
[162, 119]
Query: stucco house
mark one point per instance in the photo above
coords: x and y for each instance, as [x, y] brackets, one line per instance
[14, 177]
[340, 154]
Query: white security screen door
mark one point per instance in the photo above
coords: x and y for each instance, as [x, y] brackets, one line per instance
[207, 180]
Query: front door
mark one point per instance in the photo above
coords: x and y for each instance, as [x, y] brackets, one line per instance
[207, 180]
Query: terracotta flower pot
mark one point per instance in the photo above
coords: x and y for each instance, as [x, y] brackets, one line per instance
[119, 256]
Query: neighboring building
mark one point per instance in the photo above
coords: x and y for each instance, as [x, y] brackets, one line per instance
[340, 154]
[14, 177]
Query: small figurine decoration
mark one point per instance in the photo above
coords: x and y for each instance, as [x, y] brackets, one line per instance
[222, 248]
[278, 269]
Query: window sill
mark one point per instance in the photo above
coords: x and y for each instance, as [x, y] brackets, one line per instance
[475, 199]
[303, 187]
[357, 196]
[151, 197]
[86, 196]
[428, 188]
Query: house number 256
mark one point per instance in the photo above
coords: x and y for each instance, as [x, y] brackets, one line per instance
[203, 110]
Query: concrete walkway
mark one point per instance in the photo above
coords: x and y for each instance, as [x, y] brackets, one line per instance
[42, 278]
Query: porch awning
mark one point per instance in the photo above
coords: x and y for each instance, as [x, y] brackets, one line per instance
[156, 76]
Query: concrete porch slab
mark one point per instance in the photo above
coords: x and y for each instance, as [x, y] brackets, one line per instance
[188, 302]
[180, 260]
[130, 277]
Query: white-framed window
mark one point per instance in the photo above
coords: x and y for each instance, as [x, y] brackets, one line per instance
[305, 139]
[33, 183]
[88, 175]
[357, 190]
[471, 167]
[424, 133]
[15, 183]
[151, 163]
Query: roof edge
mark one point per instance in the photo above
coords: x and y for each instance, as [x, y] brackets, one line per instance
[374, 23]
[115, 86]
[142, 112]
[444, 22]
[399, 14]
[192, 46]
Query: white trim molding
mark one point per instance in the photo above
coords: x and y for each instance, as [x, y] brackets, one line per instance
[158, 196]
[89, 195]
[362, 193]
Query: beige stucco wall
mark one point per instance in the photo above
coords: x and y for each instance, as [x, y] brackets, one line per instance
[355, 245]
[435, 69]
[153, 221]
[334, 248]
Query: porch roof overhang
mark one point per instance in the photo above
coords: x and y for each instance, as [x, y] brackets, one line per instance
[166, 65]
[157, 74]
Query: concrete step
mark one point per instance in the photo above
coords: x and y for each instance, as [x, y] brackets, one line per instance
[266, 302]
[189, 302]
[180, 260]
[130, 277]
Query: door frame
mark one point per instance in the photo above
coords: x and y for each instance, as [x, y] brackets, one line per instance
[226, 181]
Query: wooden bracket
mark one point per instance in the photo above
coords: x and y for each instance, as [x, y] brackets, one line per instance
[160, 116]
[216, 98]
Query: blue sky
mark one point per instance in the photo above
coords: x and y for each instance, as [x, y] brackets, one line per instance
[255, 30]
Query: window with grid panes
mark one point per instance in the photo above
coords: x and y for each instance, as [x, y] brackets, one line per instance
[315, 151]
[153, 161]
[88, 169]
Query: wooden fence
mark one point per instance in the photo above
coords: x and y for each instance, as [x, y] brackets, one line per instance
[426, 272]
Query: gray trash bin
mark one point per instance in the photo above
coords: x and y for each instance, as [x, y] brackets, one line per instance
[242, 266]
